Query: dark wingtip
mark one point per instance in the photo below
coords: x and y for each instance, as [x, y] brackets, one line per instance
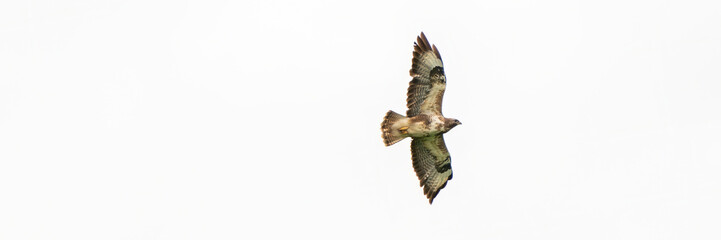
[423, 45]
[432, 195]
[435, 51]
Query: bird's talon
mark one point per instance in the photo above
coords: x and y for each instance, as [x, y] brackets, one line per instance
[403, 130]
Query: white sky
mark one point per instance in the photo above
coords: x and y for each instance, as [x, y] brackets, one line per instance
[239, 120]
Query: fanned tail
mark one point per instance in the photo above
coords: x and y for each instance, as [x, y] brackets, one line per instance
[391, 136]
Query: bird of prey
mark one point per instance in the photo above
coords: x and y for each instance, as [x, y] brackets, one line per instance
[424, 122]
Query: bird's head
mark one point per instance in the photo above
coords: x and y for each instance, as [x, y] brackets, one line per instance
[451, 123]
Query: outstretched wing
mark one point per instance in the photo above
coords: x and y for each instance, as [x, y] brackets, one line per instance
[425, 93]
[432, 163]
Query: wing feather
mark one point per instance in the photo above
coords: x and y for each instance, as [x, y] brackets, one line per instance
[425, 91]
[432, 164]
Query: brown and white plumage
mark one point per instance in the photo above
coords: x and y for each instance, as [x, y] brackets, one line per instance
[425, 91]
[432, 164]
[425, 122]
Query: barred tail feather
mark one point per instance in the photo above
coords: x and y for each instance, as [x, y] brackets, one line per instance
[391, 136]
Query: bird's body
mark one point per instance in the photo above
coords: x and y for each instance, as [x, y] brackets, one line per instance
[424, 121]
[419, 126]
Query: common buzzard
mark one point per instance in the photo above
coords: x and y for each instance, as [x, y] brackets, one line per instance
[424, 121]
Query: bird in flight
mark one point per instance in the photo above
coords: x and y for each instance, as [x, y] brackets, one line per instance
[424, 122]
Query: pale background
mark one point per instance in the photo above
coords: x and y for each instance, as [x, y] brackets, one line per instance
[260, 120]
